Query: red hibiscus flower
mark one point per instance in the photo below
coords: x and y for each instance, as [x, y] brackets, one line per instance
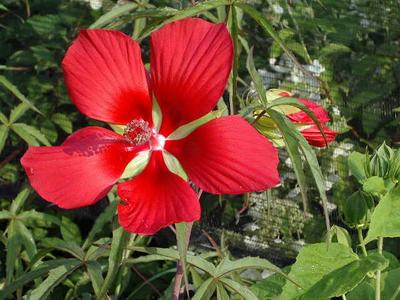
[190, 63]
[303, 122]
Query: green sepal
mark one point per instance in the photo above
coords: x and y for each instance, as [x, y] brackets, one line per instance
[118, 128]
[156, 115]
[174, 165]
[137, 165]
[187, 129]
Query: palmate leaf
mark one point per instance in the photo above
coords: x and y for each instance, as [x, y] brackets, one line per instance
[56, 276]
[95, 275]
[30, 134]
[99, 223]
[19, 201]
[143, 284]
[18, 111]
[44, 268]
[206, 290]
[186, 13]
[196, 261]
[113, 15]
[13, 89]
[13, 246]
[227, 266]
[240, 289]
[4, 130]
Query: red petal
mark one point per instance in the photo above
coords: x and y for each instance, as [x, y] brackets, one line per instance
[155, 199]
[190, 64]
[315, 138]
[82, 170]
[317, 109]
[227, 156]
[106, 78]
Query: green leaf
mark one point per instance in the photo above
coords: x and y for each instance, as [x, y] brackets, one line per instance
[291, 133]
[43, 217]
[357, 162]
[341, 236]
[242, 290]
[256, 78]
[234, 31]
[206, 290]
[63, 121]
[145, 283]
[118, 244]
[268, 288]
[95, 275]
[296, 103]
[314, 262]
[184, 130]
[73, 233]
[3, 136]
[4, 119]
[149, 258]
[47, 25]
[4, 214]
[181, 238]
[227, 266]
[28, 277]
[56, 276]
[18, 111]
[271, 31]
[13, 89]
[385, 220]
[72, 248]
[363, 291]
[157, 13]
[222, 294]
[19, 201]
[196, 261]
[113, 14]
[105, 217]
[346, 278]
[30, 134]
[13, 246]
[27, 240]
[374, 185]
[186, 13]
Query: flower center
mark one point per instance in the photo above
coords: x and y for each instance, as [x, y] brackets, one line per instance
[138, 132]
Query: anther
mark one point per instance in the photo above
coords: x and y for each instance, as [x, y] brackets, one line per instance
[138, 132]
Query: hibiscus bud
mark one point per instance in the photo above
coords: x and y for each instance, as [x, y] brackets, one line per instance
[381, 161]
[300, 119]
[358, 210]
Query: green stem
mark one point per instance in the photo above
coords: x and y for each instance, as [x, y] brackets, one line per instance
[344, 297]
[296, 25]
[378, 273]
[396, 293]
[361, 240]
